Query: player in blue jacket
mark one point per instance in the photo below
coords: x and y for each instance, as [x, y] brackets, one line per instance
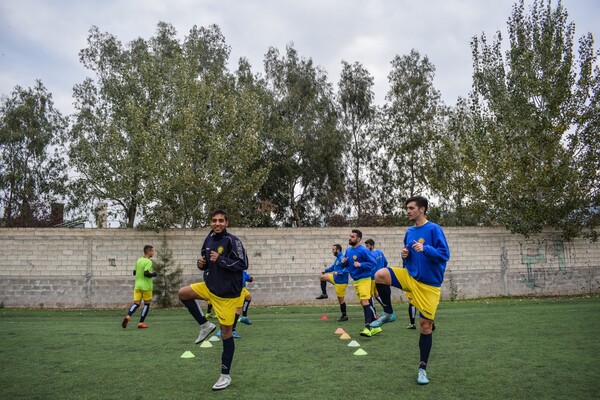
[359, 262]
[424, 256]
[337, 275]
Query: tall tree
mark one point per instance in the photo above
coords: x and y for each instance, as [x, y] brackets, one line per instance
[163, 133]
[538, 127]
[357, 117]
[304, 145]
[413, 118]
[33, 172]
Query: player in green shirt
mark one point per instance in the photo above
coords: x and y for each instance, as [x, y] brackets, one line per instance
[143, 286]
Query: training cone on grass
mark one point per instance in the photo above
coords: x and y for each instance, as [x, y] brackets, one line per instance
[188, 354]
[339, 331]
[214, 338]
[206, 344]
[324, 318]
[345, 336]
[360, 352]
[353, 343]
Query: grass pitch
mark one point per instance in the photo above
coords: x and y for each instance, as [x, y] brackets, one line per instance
[485, 349]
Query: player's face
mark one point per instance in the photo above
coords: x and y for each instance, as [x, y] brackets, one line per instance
[413, 211]
[353, 239]
[368, 246]
[218, 223]
[335, 251]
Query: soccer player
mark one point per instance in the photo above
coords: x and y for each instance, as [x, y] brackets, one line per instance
[337, 275]
[359, 262]
[247, 299]
[223, 260]
[142, 288]
[382, 262]
[424, 256]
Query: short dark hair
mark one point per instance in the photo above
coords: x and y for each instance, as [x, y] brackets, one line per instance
[358, 233]
[219, 211]
[338, 247]
[147, 248]
[370, 242]
[420, 200]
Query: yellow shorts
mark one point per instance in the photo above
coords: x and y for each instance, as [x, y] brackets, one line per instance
[138, 295]
[363, 288]
[340, 288]
[425, 297]
[245, 292]
[374, 291]
[224, 307]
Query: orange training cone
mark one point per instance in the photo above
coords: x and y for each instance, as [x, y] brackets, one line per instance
[324, 318]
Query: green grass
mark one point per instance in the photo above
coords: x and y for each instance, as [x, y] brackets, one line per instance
[487, 349]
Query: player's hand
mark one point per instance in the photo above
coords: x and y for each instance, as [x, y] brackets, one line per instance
[356, 264]
[344, 260]
[417, 246]
[335, 274]
[404, 252]
[214, 256]
[201, 263]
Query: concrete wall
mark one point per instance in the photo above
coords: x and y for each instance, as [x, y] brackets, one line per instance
[91, 268]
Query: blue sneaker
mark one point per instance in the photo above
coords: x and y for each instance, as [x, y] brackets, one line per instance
[219, 333]
[422, 377]
[384, 319]
[245, 320]
[235, 335]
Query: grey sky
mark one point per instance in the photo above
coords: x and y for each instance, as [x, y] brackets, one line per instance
[41, 39]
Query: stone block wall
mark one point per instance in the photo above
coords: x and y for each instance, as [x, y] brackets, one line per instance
[91, 268]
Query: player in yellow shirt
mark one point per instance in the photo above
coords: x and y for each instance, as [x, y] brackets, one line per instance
[143, 287]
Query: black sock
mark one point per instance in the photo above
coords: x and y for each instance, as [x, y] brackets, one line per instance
[343, 308]
[378, 298]
[245, 307]
[132, 309]
[373, 311]
[227, 355]
[194, 309]
[324, 287]
[368, 311]
[209, 308]
[425, 342]
[145, 312]
[412, 311]
[237, 316]
[386, 297]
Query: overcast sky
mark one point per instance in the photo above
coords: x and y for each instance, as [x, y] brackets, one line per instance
[41, 39]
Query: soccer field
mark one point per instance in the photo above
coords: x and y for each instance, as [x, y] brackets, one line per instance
[486, 349]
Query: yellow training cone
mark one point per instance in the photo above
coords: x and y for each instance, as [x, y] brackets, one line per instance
[206, 344]
[354, 343]
[214, 339]
[345, 336]
[360, 352]
[188, 354]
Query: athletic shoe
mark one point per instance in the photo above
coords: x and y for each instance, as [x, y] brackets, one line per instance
[375, 331]
[366, 332]
[205, 329]
[343, 318]
[223, 382]
[235, 335]
[384, 319]
[422, 377]
[219, 333]
[142, 325]
[322, 296]
[208, 315]
[245, 320]
[411, 326]
[125, 321]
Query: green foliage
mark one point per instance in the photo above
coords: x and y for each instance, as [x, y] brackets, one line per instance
[410, 132]
[33, 173]
[536, 124]
[169, 279]
[302, 143]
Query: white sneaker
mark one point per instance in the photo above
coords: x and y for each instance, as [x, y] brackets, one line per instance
[223, 382]
[205, 329]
